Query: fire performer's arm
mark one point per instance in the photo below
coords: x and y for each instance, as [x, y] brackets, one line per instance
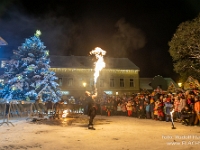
[94, 96]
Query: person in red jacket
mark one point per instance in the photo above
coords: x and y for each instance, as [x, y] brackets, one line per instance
[197, 110]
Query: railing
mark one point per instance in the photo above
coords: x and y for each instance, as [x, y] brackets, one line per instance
[36, 109]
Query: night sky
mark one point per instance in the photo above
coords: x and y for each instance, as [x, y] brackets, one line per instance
[137, 29]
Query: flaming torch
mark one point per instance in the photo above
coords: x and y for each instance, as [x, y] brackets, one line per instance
[99, 64]
[171, 113]
[65, 113]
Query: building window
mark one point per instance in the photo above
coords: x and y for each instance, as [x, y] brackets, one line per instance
[69, 81]
[60, 81]
[121, 82]
[111, 82]
[101, 83]
[131, 83]
[3, 63]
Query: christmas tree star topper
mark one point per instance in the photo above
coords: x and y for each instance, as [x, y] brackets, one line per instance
[38, 33]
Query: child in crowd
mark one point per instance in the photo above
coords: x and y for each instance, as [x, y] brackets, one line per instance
[141, 112]
[119, 109]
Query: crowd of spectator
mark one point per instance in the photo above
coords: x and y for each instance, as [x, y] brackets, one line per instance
[157, 106]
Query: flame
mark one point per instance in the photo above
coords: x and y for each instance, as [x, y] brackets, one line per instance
[99, 64]
[65, 113]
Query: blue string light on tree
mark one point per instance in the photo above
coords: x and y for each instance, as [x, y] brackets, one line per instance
[27, 74]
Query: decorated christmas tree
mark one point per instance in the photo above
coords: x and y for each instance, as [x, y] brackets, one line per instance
[27, 75]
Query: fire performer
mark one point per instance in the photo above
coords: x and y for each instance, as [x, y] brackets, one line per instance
[91, 109]
[99, 65]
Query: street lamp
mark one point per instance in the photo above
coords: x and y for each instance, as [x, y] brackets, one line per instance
[84, 84]
[180, 85]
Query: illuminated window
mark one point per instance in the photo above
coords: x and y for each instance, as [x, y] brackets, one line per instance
[60, 81]
[69, 81]
[3, 63]
[101, 83]
[131, 83]
[111, 82]
[121, 82]
[65, 92]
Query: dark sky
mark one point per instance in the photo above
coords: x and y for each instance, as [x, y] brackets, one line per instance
[137, 29]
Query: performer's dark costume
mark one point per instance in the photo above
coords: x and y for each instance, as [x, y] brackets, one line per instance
[91, 111]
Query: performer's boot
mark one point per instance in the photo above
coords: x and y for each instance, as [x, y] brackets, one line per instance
[90, 126]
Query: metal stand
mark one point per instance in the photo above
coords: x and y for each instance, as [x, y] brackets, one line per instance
[8, 116]
[31, 113]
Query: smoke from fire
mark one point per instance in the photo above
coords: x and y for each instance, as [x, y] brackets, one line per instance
[62, 36]
[127, 39]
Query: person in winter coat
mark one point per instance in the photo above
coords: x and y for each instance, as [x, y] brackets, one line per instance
[160, 111]
[187, 115]
[197, 110]
[137, 108]
[124, 111]
[129, 108]
[156, 110]
[181, 106]
[141, 112]
[147, 110]
[176, 110]
[152, 105]
[168, 106]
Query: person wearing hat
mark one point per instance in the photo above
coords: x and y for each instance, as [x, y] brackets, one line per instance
[91, 109]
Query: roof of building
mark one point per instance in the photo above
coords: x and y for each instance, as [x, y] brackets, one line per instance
[145, 83]
[171, 81]
[3, 42]
[87, 62]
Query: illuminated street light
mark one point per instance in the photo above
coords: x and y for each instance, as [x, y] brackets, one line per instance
[180, 84]
[84, 84]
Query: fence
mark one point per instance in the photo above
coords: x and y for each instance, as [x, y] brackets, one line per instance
[35, 109]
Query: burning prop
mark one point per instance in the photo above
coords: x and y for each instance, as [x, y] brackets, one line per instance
[65, 113]
[99, 64]
[171, 113]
